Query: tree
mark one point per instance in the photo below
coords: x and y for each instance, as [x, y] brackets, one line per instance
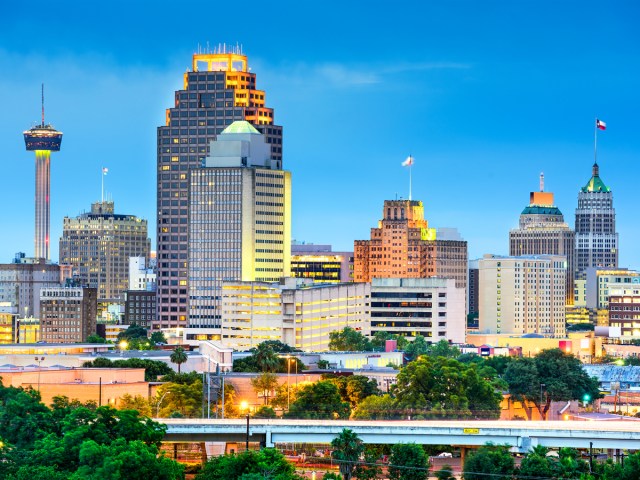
[185, 399]
[537, 464]
[323, 364]
[439, 387]
[134, 331]
[445, 473]
[266, 359]
[319, 400]
[347, 448]
[417, 347]
[408, 461]
[369, 469]
[487, 461]
[264, 384]
[178, 356]
[157, 337]
[376, 407]
[137, 403]
[152, 368]
[95, 338]
[264, 412]
[354, 388]
[557, 375]
[348, 340]
[267, 463]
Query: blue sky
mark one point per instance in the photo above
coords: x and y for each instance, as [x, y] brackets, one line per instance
[485, 96]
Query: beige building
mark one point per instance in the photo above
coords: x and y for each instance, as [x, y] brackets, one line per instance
[522, 295]
[293, 311]
[431, 307]
[98, 245]
[239, 224]
[403, 246]
[68, 314]
[105, 386]
[543, 231]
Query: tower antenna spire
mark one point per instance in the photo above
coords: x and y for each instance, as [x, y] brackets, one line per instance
[43, 104]
[542, 181]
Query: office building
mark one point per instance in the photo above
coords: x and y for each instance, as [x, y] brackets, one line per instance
[294, 311]
[42, 139]
[473, 290]
[8, 323]
[431, 307]
[403, 246]
[218, 90]
[141, 275]
[320, 263]
[22, 280]
[624, 312]
[99, 244]
[596, 237]
[140, 308]
[239, 224]
[522, 295]
[600, 282]
[543, 231]
[68, 314]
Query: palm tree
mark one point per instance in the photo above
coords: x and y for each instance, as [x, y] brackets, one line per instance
[178, 356]
[347, 448]
[266, 359]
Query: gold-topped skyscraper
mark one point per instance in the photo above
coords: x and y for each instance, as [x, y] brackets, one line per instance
[218, 90]
[42, 139]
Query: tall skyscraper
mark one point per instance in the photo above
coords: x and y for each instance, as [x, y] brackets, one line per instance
[239, 223]
[403, 246]
[596, 237]
[98, 245]
[42, 139]
[543, 231]
[218, 90]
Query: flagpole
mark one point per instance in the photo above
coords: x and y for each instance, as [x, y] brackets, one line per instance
[595, 141]
[102, 178]
[410, 168]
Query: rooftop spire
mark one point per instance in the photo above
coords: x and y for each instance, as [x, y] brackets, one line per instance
[596, 170]
[542, 181]
[43, 104]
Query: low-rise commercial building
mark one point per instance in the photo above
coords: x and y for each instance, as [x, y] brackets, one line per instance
[68, 314]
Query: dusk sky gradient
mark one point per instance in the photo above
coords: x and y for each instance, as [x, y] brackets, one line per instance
[484, 94]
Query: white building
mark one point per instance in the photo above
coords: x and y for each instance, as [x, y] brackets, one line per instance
[520, 295]
[601, 281]
[141, 276]
[293, 311]
[239, 224]
[432, 307]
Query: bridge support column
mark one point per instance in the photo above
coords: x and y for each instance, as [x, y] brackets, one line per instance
[463, 454]
[267, 438]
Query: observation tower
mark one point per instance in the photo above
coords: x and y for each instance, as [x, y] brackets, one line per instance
[42, 139]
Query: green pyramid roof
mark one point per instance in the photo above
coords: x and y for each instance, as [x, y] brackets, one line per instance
[240, 126]
[595, 184]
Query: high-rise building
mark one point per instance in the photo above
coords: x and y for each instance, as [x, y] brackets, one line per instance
[42, 139]
[522, 295]
[403, 246]
[68, 314]
[140, 298]
[98, 245]
[601, 281]
[239, 224]
[320, 263]
[22, 280]
[431, 307]
[218, 90]
[596, 237]
[473, 290]
[543, 231]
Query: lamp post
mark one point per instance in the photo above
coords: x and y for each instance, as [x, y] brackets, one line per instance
[542, 385]
[288, 381]
[123, 346]
[39, 360]
[246, 446]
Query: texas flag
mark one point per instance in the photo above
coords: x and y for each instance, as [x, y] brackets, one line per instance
[105, 170]
[601, 125]
[408, 162]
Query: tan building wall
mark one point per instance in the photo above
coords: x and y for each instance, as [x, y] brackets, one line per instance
[84, 384]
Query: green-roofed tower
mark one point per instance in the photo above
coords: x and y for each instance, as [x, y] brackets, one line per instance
[543, 231]
[596, 237]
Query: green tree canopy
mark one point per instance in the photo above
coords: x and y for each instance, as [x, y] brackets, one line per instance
[152, 368]
[487, 461]
[157, 337]
[376, 407]
[347, 448]
[319, 400]
[440, 387]
[557, 375]
[408, 461]
[265, 384]
[354, 388]
[348, 340]
[267, 463]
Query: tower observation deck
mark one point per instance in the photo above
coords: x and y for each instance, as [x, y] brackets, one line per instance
[42, 139]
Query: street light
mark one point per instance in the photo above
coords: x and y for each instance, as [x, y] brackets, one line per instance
[39, 360]
[542, 385]
[123, 346]
[288, 381]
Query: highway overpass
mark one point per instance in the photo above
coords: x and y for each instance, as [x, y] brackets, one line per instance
[521, 435]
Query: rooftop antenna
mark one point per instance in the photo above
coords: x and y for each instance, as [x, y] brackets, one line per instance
[542, 181]
[43, 104]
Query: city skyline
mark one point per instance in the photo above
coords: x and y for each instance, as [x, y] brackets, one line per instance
[500, 96]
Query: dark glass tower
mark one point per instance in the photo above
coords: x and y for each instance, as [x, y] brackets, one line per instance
[218, 90]
[596, 237]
